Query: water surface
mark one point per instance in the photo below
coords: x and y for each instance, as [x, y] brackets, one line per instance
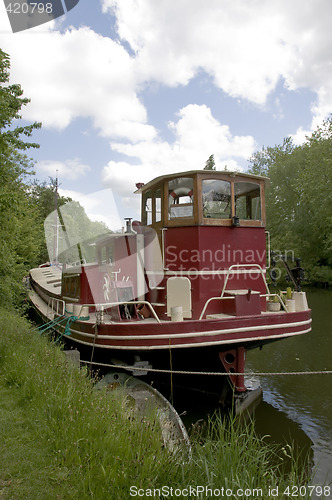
[300, 407]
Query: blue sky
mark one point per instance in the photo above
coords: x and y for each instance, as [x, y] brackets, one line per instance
[131, 89]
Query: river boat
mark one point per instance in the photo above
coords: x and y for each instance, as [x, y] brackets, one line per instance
[183, 290]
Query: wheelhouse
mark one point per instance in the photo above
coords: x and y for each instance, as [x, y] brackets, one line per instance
[198, 198]
[211, 230]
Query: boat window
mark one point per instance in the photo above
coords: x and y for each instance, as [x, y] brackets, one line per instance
[147, 208]
[158, 205]
[180, 197]
[247, 200]
[216, 198]
[104, 255]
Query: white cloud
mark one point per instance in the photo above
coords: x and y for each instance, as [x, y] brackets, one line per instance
[247, 46]
[68, 169]
[198, 131]
[300, 136]
[238, 43]
[78, 73]
[197, 135]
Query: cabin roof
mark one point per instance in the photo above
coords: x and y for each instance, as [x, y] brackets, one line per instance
[213, 173]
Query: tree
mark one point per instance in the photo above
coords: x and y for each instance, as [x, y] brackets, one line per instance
[17, 229]
[210, 163]
[43, 199]
[299, 199]
[316, 196]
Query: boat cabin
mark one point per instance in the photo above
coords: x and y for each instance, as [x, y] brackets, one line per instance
[210, 226]
[204, 198]
[211, 230]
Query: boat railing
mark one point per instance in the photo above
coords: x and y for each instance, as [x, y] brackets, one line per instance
[102, 307]
[267, 295]
[211, 299]
[244, 268]
[55, 306]
[271, 295]
[232, 269]
[77, 263]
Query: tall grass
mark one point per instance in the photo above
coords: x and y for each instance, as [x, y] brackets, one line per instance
[62, 439]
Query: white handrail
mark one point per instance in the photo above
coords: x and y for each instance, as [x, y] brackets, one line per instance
[106, 305]
[268, 249]
[254, 266]
[283, 305]
[53, 304]
[231, 269]
[210, 300]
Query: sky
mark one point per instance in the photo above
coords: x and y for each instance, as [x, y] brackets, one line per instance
[128, 90]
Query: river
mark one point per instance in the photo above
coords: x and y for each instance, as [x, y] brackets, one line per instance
[299, 408]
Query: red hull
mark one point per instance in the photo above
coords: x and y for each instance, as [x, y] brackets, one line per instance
[245, 330]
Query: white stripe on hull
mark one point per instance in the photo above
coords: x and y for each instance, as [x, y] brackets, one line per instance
[192, 345]
[210, 333]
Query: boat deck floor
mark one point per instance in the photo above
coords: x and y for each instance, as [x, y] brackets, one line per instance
[107, 320]
[49, 278]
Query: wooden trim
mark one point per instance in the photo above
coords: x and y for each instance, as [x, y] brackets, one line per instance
[263, 213]
[215, 222]
[206, 174]
[251, 223]
[196, 200]
[232, 198]
[181, 222]
[197, 218]
[199, 205]
[70, 299]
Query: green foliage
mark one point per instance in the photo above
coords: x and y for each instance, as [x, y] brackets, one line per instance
[78, 227]
[42, 196]
[64, 439]
[11, 103]
[210, 163]
[299, 199]
[17, 231]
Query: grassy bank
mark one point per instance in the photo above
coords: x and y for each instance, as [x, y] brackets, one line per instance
[62, 439]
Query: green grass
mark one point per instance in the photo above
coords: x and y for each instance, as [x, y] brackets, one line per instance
[61, 439]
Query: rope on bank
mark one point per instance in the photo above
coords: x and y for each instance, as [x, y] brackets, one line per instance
[181, 372]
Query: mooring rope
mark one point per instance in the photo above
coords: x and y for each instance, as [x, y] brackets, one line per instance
[182, 372]
[51, 324]
[63, 321]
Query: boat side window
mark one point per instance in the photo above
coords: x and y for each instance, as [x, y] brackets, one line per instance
[216, 199]
[247, 200]
[105, 255]
[180, 197]
[158, 205]
[147, 208]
